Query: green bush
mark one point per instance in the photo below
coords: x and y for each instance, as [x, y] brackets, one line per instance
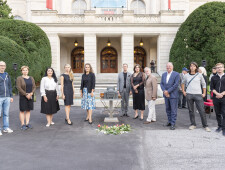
[25, 44]
[204, 31]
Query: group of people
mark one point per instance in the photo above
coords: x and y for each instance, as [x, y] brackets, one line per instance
[178, 89]
[50, 92]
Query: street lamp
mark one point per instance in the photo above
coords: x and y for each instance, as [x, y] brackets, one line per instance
[15, 69]
[186, 46]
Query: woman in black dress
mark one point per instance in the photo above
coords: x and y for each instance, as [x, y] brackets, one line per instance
[26, 87]
[137, 82]
[67, 91]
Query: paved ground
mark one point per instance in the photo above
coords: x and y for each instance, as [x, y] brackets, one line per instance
[80, 147]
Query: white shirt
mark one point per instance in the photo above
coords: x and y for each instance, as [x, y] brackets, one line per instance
[168, 76]
[48, 84]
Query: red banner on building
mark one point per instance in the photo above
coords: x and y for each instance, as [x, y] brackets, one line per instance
[49, 4]
[169, 4]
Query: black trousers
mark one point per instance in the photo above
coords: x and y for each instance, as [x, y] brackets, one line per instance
[219, 106]
[198, 100]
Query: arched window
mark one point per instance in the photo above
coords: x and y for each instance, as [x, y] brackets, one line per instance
[79, 6]
[138, 6]
[17, 17]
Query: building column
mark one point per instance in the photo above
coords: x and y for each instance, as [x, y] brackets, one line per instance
[153, 7]
[164, 45]
[164, 5]
[127, 50]
[90, 50]
[28, 11]
[55, 50]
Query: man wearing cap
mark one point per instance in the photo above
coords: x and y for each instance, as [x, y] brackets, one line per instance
[182, 98]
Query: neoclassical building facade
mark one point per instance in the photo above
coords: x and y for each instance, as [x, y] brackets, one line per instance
[107, 33]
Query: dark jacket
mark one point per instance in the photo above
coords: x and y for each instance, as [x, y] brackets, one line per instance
[91, 82]
[21, 85]
[6, 87]
[218, 85]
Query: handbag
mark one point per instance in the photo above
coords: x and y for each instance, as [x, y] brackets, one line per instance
[34, 97]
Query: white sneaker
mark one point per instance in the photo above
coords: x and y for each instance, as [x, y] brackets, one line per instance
[192, 127]
[48, 125]
[52, 123]
[0, 133]
[207, 129]
[8, 130]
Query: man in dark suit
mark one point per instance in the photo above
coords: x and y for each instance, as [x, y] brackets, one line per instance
[124, 89]
[169, 85]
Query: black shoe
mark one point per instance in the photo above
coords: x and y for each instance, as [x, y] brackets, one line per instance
[123, 115]
[68, 123]
[136, 117]
[172, 127]
[184, 107]
[219, 129]
[127, 115]
[168, 124]
[223, 132]
[86, 120]
[90, 123]
[141, 119]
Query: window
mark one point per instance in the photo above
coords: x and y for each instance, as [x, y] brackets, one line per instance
[18, 18]
[138, 6]
[79, 6]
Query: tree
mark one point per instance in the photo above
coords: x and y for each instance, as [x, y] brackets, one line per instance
[24, 43]
[201, 37]
[5, 10]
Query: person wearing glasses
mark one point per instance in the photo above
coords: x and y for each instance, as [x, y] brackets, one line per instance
[6, 97]
[217, 86]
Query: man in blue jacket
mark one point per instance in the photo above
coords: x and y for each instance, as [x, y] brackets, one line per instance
[5, 97]
[169, 85]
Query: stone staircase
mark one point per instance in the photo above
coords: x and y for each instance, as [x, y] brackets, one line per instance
[102, 82]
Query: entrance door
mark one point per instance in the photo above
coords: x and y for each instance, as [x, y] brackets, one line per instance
[77, 60]
[109, 60]
[140, 57]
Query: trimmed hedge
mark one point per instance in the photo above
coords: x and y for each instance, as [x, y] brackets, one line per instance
[25, 44]
[204, 31]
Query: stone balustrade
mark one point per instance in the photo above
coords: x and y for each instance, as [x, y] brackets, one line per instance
[52, 16]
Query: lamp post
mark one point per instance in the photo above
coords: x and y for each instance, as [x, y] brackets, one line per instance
[186, 47]
[15, 69]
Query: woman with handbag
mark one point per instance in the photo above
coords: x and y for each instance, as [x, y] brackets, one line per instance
[26, 87]
[50, 94]
[137, 82]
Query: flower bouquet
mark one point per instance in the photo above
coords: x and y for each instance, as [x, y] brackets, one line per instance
[114, 130]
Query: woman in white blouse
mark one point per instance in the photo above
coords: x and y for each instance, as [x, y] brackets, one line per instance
[50, 95]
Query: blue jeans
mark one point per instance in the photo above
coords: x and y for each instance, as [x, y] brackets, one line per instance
[4, 107]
